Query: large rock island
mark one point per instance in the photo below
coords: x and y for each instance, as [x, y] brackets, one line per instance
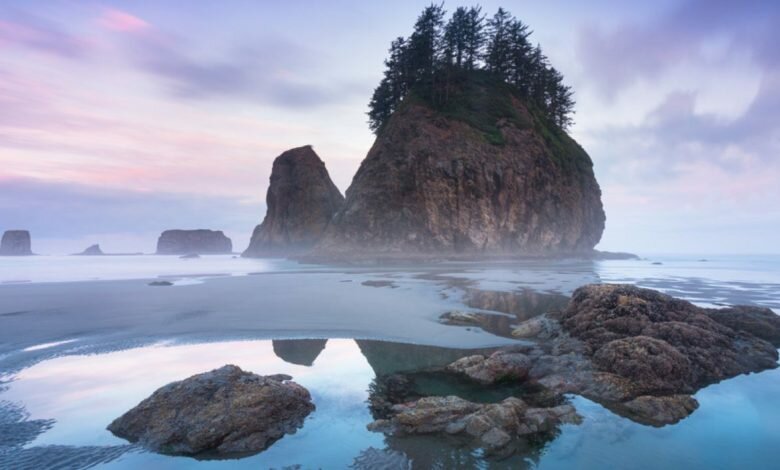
[301, 201]
[16, 243]
[486, 175]
[183, 242]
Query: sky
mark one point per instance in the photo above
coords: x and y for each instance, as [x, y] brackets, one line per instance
[120, 119]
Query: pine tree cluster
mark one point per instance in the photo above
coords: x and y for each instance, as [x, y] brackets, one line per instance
[437, 52]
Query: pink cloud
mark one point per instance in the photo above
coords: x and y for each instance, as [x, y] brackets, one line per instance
[117, 20]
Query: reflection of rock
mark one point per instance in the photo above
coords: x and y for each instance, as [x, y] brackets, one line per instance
[182, 242]
[92, 250]
[222, 413]
[386, 357]
[371, 459]
[302, 352]
[492, 426]
[16, 429]
[58, 456]
[758, 321]
[499, 366]
[16, 243]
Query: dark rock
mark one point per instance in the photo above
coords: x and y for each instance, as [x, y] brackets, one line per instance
[223, 413]
[661, 344]
[16, 243]
[184, 242]
[190, 256]
[435, 184]
[160, 283]
[301, 201]
[379, 284]
[758, 321]
[92, 250]
[657, 263]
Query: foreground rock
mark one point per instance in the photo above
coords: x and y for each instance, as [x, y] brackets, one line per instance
[301, 201]
[222, 413]
[662, 345]
[493, 426]
[92, 250]
[186, 242]
[436, 184]
[16, 243]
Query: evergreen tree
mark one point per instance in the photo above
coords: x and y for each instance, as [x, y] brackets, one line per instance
[499, 47]
[520, 50]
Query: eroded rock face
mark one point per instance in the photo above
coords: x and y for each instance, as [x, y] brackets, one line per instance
[436, 185]
[185, 242]
[222, 413]
[16, 243]
[301, 201]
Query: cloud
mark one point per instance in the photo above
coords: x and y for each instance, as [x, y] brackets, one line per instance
[631, 52]
[24, 30]
[118, 20]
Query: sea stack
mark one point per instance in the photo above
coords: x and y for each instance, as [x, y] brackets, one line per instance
[202, 242]
[92, 250]
[16, 243]
[485, 175]
[301, 201]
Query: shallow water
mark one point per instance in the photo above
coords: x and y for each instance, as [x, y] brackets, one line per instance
[76, 354]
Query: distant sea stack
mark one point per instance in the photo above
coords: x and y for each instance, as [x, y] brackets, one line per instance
[485, 175]
[301, 201]
[16, 243]
[93, 250]
[183, 242]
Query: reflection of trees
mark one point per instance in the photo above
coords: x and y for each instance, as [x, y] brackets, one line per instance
[302, 352]
[17, 431]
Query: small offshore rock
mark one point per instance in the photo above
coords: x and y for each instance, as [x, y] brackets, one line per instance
[160, 283]
[16, 243]
[458, 318]
[222, 413]
[92, 250]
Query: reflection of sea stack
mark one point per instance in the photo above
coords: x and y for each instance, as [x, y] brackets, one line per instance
[301, 200]
[386, 357]
[16, 243]
[302, 352]
[203, 242]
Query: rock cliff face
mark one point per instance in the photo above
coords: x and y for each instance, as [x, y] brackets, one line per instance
[485, 176]
[301, 201]
[16, 243]
[182, 242]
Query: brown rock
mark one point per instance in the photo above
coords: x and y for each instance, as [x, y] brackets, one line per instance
[301, 201]
[499, 366]
[222, 413]
[659, 411]
[435, 184]
[758, 321]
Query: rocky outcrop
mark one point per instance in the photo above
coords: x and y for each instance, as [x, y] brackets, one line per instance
[662, 345]
[469, 181]
[301, 201]
[184, 242]
[223, 413]
[16, 243]
[758, 321]
[92, 250]
[492, 426]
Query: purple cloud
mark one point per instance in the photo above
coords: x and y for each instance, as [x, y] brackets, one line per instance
[19, 29]
[618, 58]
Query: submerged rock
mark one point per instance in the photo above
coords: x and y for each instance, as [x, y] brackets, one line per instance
[436, 184]
[92, 250]
[301, 201]
[222, 413]
[16, 243]
[184, 242]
